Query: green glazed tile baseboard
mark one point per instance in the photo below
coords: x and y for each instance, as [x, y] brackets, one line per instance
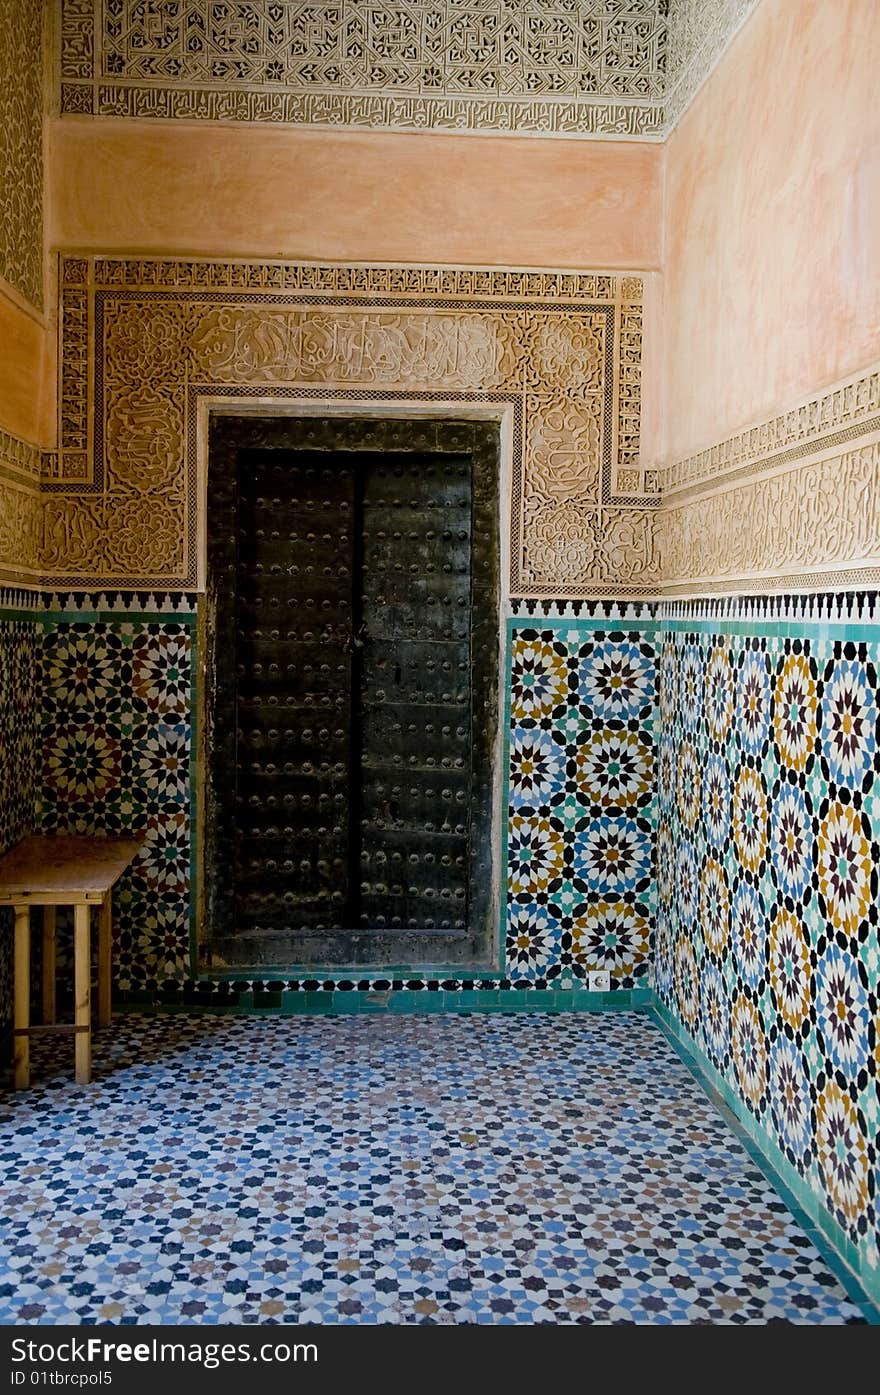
[341, 1002]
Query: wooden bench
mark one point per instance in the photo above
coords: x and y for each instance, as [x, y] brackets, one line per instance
[57, 871]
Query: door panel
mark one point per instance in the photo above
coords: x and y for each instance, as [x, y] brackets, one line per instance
[349, 808]
[416, 692]
[293, 686]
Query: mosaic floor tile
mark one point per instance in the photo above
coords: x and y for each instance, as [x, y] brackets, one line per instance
[399, 1169]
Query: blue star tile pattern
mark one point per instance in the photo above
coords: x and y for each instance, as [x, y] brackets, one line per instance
[786, 943]
[581, 803]
[19, 744]
[405, 1169]
[116, 743]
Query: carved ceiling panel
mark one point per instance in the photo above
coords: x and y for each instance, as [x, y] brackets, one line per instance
[546, 67]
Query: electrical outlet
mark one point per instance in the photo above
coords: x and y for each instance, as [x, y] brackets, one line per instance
[599, 981]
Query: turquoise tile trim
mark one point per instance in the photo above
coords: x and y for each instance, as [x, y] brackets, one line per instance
[786, 628]
[838, 1251]
[405, 1001]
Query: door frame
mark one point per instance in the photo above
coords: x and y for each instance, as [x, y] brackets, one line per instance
[384, 408]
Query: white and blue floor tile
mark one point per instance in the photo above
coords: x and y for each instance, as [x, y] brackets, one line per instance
[531, 1168]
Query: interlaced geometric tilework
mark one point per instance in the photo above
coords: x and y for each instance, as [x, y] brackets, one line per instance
[116, 757]
[580, 829]
[560, 350]
[426, 1169]
[768, 939]
[789, 503]
[19, 716]
[19, 703]
[21, 147]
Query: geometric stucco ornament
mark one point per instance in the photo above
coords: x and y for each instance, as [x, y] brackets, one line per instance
[620, 68]
[21, 147]
[558, 352]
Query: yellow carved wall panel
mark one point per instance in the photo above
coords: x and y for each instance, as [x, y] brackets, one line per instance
[824, 515]
[20, 533]
[620, 68]
[21, 522]
[144, 341]
[789, 502]
[793, 501]
[21, 146]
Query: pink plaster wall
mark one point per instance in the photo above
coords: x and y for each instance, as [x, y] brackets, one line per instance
[232, 191]
[239, 191]
[772, 221]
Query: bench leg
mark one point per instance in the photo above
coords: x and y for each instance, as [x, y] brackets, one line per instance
[82, 973]
[105, 955]
[48, 965]
[22, 996]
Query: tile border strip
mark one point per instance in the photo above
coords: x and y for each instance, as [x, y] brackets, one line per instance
[246, 996]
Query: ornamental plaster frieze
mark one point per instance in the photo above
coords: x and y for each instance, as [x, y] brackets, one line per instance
[790, 502]
[613, 69]
[144, 342]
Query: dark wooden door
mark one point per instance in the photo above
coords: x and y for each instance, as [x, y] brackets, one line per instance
[415, 696]
[293, 811]
[349, 805]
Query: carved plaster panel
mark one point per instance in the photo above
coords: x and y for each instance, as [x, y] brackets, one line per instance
[144, 341]
[21, 147]
[815, 525]
[593, 68]
[20, 510]
[19, 459]
[698, 31]
[596, 68]
[788, 501]
[20, 532]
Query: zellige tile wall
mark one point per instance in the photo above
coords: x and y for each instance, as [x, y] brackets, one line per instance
[768, 947]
